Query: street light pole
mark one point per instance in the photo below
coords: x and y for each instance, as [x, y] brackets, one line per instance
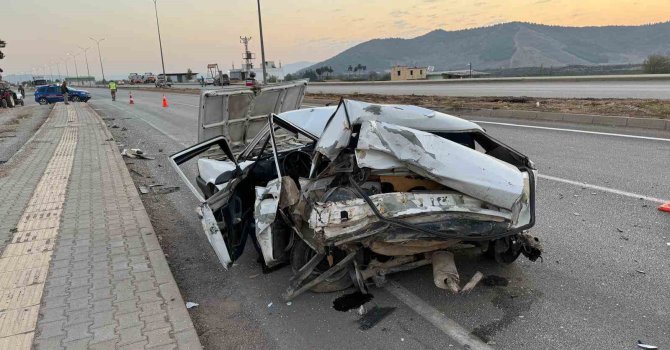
[67, 71]
[260, 26]
[74, 58]
[58, 68]
[88, 72]
[160, 43]
[51, 73]
[100, 57]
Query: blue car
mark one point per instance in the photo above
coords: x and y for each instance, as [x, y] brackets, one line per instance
[51, 94]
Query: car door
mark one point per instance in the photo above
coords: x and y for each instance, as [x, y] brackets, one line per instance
[223, 244]
[53, 94]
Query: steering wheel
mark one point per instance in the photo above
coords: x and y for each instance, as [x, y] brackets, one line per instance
[297, 164]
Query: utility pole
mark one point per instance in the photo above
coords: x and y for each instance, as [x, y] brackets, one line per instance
[260, 26]
[67, 72]
[470, 66]
[88, 72]
[160, 44]
[100, 57]
[76, 70]
[58, 68]
[51, 73]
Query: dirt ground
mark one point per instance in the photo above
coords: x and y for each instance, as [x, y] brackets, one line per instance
[639, 108]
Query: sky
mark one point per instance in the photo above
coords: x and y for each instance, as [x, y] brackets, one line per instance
[198, 32]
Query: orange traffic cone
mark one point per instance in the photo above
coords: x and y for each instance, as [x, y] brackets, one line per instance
[165, 104]
[132, 102]
[665, 207]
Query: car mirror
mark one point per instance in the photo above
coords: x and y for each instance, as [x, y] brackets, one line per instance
[227, 176]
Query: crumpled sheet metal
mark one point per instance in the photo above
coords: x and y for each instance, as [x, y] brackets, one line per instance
[328, 217]
[337, 133]
[449, 163]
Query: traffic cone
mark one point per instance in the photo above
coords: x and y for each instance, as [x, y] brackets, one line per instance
[132, 102]
[165, 104]
[665, 207]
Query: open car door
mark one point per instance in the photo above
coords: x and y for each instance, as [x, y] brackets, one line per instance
[218, 148]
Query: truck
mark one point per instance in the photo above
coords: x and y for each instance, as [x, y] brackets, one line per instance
[134, 78]
[149, 78]
[217, 77]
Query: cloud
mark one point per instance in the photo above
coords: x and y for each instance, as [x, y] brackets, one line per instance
[397, 13]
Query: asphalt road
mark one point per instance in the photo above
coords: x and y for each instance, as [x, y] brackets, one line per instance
[603, 283]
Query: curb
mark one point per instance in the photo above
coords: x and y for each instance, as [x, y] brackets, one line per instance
[184, 330]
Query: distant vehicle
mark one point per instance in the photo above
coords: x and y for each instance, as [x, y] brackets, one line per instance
[51, 94]
[209, 81]
[120, 82]
[8, 97]
[39, 80]
[217, 77]
[135, 78]
[149, 78]
[161, 83]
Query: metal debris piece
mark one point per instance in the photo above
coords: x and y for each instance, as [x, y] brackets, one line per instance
[642, 345]
[135, 153]
[190, 305]
[473, 282]
[373, 317]
[124, 129]
[640, 271]
[114, 126]
[270, 304]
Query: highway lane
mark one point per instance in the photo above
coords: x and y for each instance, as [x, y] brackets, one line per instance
[587, 292]
[559, 89]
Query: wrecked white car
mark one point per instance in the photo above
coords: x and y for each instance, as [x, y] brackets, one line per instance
[350, 193]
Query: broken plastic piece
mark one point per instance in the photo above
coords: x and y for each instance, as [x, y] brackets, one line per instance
[642, 345]
[473, 282]
[144, 189]
[373, 317]
[445, 274]
[135, 153]
[190, 305]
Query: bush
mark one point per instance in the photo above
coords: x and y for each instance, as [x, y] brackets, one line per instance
[656, 64]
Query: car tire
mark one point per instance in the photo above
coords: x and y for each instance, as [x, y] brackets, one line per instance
[10, 101]
[43, 101]
[300, 255]
[3, 103]
[22, 103]
[76, 99]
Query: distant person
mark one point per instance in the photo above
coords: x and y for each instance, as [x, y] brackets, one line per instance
[202, 81]
[112, 89]
[64, 90]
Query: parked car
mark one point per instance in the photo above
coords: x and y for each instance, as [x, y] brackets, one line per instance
[209, 81]
[51, 94]
[347, 194]
[8, 97]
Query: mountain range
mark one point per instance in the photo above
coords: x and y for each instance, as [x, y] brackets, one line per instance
[509, 45]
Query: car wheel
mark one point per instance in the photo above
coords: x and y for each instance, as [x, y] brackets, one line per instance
[10, 101]
[76, 99]
[3, 103]
[300, 255]
[22, 102]
[505, 254]
[43, 101]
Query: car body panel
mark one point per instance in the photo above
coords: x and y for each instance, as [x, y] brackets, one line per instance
[52, 94]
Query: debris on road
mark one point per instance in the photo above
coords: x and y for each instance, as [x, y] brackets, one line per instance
[190, 305]
[135, 153]
[373, 317]
[160, 189]
[640, 271]
[642, 345]
[270, 304]
[495, 281]
[144, 189]
[114, 126]
[467, 288]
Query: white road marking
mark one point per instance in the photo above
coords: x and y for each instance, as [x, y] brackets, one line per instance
[602, 188]
[435, 317]
[574, 130]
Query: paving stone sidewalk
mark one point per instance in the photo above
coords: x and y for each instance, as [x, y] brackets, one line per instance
[81, 267]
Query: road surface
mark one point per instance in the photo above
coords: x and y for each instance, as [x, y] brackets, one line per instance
[603, 282]
[557, 89]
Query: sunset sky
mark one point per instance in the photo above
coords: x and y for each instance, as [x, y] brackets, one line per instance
[198, 32]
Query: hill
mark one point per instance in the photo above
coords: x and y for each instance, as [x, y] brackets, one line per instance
[510, 45]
